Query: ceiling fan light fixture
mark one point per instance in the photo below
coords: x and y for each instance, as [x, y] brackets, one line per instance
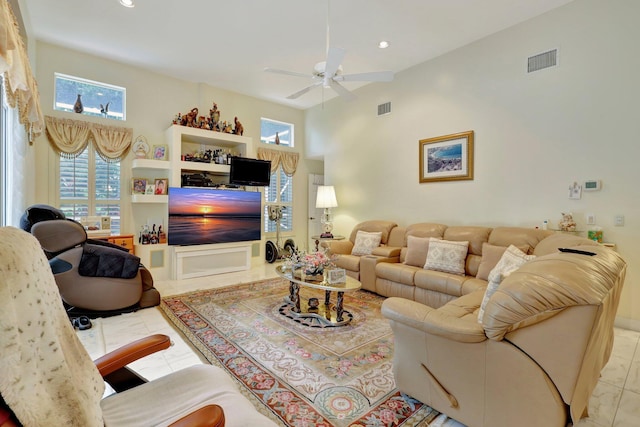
[127, 3]
[383, 44]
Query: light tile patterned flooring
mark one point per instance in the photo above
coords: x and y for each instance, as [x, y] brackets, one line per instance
[615, 401]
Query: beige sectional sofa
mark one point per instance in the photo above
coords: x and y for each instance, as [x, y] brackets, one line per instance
[534, 357]
[395, 270]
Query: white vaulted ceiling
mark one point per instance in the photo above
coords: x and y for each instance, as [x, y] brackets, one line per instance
[227, 44]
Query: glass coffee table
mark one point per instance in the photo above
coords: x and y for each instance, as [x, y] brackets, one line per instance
[312, 312]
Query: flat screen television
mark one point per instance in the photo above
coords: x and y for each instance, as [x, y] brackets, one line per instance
[246, 171]
[199, 216]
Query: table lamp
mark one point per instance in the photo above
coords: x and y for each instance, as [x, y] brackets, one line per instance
[326, 199]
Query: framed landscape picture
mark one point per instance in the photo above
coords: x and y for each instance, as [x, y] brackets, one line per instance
[446, 158]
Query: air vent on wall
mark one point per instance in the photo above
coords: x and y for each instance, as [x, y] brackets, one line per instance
[542, 61]
[384, 108]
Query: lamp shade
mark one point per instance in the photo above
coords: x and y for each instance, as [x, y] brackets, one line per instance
[326, 197]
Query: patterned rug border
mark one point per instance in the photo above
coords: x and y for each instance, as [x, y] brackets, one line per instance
[420, 418]
[210, 358]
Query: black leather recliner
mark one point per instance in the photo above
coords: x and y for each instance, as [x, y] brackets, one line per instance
[92, 275]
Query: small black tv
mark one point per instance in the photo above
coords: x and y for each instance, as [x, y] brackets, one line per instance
[246, 171]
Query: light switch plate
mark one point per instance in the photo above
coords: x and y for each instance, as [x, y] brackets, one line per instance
[590, 218]
[619, 221]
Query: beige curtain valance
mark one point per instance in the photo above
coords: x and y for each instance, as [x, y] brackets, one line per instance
[288, 161]
[70, 137]
[21, 87]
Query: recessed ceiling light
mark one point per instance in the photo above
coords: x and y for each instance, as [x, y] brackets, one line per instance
[383, 44]
[127, 3]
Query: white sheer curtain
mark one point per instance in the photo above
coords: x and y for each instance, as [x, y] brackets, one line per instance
[16, 188]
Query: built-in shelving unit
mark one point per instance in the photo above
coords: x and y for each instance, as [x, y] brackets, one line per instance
[185, 140]
[200, 260]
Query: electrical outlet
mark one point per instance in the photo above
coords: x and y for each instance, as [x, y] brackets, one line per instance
[619, 221]
[590, 218]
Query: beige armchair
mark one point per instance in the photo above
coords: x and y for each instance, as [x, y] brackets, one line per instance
[344, 249]
[535, 359]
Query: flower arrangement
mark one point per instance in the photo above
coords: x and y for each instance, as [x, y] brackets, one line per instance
[312, 263]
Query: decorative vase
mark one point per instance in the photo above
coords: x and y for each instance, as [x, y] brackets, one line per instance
[78, 107]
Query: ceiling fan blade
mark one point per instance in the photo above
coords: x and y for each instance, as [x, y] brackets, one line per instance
[288, 73]
[340, 90]
[376, 76]
[303, 91]
[334, 59]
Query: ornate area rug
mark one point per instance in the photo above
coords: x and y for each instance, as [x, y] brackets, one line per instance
[296, 374]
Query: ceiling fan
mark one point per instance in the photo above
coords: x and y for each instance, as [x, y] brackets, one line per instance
[328, 73]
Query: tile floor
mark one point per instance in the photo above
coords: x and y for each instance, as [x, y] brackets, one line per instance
[615, 401]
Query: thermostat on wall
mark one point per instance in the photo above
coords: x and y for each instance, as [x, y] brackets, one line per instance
[591, 185]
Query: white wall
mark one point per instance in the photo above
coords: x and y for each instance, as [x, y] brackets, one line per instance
[152, 102]
[534, 133]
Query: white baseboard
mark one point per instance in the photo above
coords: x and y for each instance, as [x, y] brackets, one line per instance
[626, 323]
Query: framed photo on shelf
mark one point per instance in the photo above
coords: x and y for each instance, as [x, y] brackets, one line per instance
[151, 188]
[446, 158]
[160, 152]
[138, 185]
[161, 185]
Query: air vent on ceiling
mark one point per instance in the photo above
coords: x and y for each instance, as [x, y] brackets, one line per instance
[542, 61]
[384, 108]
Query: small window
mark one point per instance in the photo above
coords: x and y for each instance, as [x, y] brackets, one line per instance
[274, 132]
[74, 94]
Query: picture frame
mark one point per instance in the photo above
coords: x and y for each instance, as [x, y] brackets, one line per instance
[160, 152]
[138, 185]
[336, 275]
[161, 185]
[150, 189]
[447, 157]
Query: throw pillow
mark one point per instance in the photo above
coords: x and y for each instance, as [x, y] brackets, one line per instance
[366, 242]
[417, 248]
[491, 254]
[447, 256]
[510, 261]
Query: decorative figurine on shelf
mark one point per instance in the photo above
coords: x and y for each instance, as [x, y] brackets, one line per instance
[226, 127]
[277, 139]
[214, 114]
[77, 107]
[104, 109]
[239, 129]
[190, 118]
[567, 223]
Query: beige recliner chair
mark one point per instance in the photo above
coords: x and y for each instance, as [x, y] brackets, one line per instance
[535, 359]
[344, 249]
[48, 379]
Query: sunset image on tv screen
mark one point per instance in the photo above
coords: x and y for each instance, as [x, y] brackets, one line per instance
[203, 216]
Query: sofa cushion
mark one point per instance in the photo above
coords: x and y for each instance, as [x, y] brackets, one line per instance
[474, 235]
[383, 227]
[348, 262]
[561, 240]
[491, 254]
[511, 260]
[366, 242]
[417, 248]
[395, 272]
[446, 256]
[505, 236]
[439, 281]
